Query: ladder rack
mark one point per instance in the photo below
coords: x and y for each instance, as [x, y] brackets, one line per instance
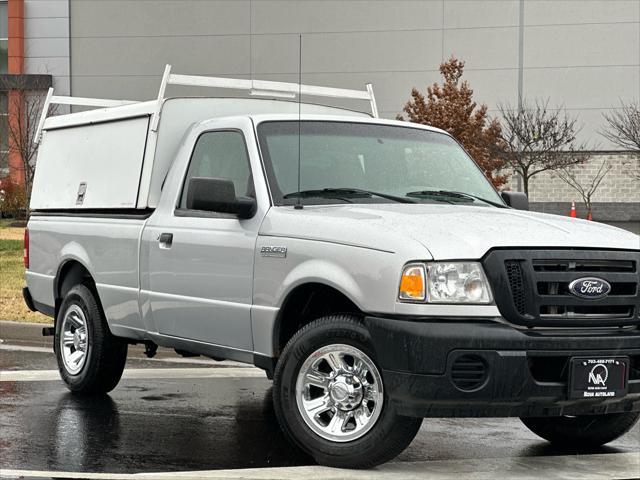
[254, 87]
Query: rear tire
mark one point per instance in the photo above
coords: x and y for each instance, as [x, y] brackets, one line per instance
[367, 431]
[90, 359]
[583, 431]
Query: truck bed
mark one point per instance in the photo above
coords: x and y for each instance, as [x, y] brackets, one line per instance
[107, 246]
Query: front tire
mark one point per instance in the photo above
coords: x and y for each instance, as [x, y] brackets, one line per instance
[90, 359]
[584, 431]
[329, 397]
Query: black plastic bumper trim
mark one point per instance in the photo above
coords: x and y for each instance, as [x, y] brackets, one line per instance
[417, 358]
[28, 300]
[37, 306]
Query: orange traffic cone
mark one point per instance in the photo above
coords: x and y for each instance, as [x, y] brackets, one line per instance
[572, 213]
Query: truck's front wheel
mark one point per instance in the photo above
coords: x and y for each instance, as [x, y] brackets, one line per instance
[90, 358]
[329, 397]
[584, 430]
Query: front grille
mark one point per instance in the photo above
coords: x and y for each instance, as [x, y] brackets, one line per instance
[532, 286]
[545, 265]
[562, 288]
[516, 283]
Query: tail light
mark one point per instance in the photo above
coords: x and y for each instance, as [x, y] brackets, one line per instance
[26, 248]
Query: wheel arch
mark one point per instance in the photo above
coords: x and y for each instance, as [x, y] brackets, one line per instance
[72, 271]
[306, 302]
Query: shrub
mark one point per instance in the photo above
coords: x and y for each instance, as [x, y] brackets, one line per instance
[13, 200]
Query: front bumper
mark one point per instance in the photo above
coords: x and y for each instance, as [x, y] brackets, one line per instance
[525, 372]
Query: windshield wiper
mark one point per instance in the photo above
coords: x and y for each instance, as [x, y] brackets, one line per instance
[334, 192]
[452, 194]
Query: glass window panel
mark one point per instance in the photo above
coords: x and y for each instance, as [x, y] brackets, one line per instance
[3, 56]
[4, 29]
[387, 159]
[220, 154]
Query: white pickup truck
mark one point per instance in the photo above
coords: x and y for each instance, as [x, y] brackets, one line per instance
[365, 264]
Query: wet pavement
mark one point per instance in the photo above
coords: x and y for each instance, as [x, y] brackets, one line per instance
[173, 414]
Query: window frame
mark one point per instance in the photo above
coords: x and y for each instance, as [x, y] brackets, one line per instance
[189, 212]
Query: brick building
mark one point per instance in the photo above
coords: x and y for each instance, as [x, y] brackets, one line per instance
[616, 200]
[16, 82]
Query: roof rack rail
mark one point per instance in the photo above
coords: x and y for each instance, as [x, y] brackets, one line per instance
[267, 88]
[255, 87]
[52, 99]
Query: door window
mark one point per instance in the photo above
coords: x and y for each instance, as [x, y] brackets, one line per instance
[221, 154]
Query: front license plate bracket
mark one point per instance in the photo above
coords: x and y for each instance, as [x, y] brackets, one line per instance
[598, 377]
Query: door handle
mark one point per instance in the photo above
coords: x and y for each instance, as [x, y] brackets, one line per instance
[165, 240]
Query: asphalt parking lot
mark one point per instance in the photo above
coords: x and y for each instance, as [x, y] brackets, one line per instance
[192, 418]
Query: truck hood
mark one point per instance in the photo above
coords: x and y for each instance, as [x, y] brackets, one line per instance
[446, 231]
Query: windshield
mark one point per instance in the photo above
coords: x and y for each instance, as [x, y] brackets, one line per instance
[344, 162]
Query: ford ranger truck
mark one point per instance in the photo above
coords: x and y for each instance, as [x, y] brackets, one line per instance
[367, 265]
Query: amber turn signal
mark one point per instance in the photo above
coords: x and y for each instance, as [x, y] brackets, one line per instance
[412, 283]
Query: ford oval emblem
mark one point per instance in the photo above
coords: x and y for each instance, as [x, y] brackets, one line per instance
[590, 287]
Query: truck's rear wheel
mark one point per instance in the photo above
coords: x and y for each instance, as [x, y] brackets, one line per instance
[583, 431]
[90, 359]
[329, 397]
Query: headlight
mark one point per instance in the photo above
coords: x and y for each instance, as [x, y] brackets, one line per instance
[460, 282]
[445, 282]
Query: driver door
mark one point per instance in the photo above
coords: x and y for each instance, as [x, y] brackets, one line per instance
[200, 263]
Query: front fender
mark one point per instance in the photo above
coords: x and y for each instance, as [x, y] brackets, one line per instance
[368, 277]
[324, 272]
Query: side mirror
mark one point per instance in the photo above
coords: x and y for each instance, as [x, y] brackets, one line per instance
[218, 195]
[517, 200]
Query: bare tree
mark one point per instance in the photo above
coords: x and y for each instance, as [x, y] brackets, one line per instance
[587, 187]
[22, 122]
[623, 130]
[538, 139]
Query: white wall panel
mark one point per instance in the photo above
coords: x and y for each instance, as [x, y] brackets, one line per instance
[119, 48]
[46, 8]
[586, 87]
[161, 18]
[561, 12]
[46, 44]
[485, 47]
[485, 13]
[559, 46]
[285, 16]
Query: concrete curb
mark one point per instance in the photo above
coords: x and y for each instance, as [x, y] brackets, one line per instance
[607, 466]
[24, 332]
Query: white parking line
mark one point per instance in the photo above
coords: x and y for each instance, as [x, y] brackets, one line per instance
[25, 348]
[611, 466]
[141, 373]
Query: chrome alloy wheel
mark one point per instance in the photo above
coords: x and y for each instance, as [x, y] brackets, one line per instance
[339, 393]
[74, 339]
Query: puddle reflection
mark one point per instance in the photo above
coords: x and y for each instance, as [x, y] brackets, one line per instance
[96, 434]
